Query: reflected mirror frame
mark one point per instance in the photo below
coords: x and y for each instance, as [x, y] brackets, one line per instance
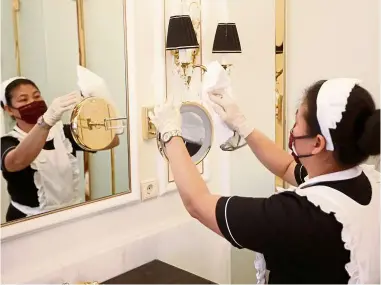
[82, 52]
[160, 144]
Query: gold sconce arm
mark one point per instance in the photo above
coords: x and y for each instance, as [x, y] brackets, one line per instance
[205, 69]
[183, 67]
[202, 67]
[89, 124]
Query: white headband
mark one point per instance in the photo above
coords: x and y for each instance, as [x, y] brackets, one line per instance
[331, 103]
[4, 86]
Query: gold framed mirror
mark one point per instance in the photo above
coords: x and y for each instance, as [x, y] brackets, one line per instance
[94, 129]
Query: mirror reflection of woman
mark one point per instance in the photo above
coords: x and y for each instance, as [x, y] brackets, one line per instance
[38, 155]
[326, 229]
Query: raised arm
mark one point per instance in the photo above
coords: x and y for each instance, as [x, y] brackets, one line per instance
[242, 221]
[16, 158]
[192, 188]
[274, 158]
[22, 155]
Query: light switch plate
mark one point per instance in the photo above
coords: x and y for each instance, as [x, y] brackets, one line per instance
[149, 189]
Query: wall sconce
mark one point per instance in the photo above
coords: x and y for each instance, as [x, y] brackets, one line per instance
[182, 42]
[226, 40]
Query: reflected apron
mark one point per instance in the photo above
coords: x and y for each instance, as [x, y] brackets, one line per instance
[56, 176]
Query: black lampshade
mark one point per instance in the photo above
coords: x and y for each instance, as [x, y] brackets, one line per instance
[181, 33]
[226, 39]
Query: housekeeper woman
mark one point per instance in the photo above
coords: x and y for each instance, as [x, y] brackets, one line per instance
[38, 156]
[327, 229]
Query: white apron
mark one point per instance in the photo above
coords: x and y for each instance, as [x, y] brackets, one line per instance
[56, 176]
[361, 224]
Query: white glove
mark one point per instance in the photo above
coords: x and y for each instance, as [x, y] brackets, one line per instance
[230, 113]
[166, 118]
[61, 105]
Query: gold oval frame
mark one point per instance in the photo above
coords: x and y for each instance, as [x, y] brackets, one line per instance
[79, 122]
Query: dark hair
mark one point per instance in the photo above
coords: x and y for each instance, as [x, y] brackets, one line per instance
[357, 135]
[13, 85]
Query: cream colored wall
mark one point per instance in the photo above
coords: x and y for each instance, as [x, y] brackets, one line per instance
[253, 79]
[102, 246]
[340, 41]
[331, 39]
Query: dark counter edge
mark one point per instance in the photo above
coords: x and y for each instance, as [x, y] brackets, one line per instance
[157, 272]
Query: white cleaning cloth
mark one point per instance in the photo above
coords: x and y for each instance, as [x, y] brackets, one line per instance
[192, 128]
[216, 80]
[92, 84]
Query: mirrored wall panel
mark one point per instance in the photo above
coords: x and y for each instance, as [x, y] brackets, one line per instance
[45, 165]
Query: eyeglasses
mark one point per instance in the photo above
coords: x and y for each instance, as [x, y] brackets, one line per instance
[293, 137]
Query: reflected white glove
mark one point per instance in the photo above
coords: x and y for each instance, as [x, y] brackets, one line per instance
[166, 118]
[119, 131]
[231, 114]
[61, 105]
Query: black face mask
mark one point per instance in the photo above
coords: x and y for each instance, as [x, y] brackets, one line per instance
[291, 143]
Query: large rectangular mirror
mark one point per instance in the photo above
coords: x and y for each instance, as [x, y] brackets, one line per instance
[42, 43]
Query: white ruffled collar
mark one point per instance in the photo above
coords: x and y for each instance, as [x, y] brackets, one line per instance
[20, 131]
[335, 176]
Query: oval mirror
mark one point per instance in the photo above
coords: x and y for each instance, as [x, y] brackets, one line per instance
[197, 131]
[94, 124]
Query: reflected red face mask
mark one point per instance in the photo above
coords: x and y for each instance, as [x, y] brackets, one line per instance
[31, 112]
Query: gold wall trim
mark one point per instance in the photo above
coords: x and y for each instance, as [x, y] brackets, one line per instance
[82, 62]
[15, 18]
[127, 93]
[280, 79]
[81, 33]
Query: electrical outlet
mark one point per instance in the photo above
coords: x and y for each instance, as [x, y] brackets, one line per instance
[148, 189]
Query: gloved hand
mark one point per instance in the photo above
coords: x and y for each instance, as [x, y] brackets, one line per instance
[61, 105]
[230, 113]
[166, 117]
